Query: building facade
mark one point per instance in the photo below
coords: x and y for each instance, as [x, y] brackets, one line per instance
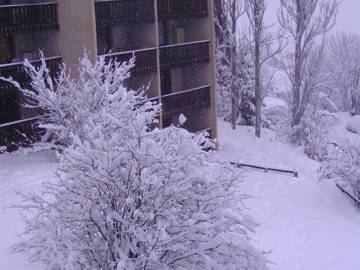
[172, 40]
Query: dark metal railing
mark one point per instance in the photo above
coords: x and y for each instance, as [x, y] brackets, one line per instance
[184, 54]
[17, 72]
[19, 134]
[118, 12]
[145, 60]
[28, 18]
[179, 9]
[185, 101]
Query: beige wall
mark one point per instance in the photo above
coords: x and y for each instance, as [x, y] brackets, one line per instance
[77, 31]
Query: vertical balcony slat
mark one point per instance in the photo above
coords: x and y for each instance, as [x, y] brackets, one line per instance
[115, 13]
[178, 9]
[185, 102]
[184, 54]
[26, 18]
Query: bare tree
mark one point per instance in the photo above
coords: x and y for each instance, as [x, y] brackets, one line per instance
[263, 50]
[228, 14]
[343, 63]
[305, 21]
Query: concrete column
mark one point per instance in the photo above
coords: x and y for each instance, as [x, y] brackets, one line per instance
[77, 31]
[213, 68]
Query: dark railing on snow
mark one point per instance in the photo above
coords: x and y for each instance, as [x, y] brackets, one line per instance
[177, 55]
[185, 101]
[179, 9]
[28, 18]
[19, 133]
[145, 60]
[355, 200]
[118, 12]
[266, 169]
[17, 72]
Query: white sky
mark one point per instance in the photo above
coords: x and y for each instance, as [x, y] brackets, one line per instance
[348, 19]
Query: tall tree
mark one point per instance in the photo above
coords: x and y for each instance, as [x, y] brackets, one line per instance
[343, 64]
[305, 21]
[263, 42]
[228, 14]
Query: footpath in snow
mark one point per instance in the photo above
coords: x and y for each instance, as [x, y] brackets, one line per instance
[306, 224]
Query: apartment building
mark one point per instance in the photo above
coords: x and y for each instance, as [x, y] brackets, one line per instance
[172, 41]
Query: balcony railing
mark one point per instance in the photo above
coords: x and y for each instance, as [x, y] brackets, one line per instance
[17, 72]
[179, 9]
[19, 133]
[185, 101]
[119, 12]
[28, 18]
[184, 54]
[145, 60]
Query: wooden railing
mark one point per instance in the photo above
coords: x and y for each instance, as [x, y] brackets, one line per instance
[19, 134]
[351, 197]
[28, 18]
[184, 54]
[265, 169]
[179, 9]
[114, 13]
[145, 60]
[185, 101]
[17, 72]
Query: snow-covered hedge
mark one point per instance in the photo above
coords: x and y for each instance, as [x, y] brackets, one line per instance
[128, 195]
[343, 165]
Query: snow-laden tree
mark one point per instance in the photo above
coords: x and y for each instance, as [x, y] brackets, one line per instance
[244, 83]
[306, 22]
[229, 51]
[343, 165]
[343, 64]
[128, 195]
[68, 102]
[263, 48]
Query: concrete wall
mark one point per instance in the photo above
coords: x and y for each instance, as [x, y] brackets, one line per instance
[77, 31]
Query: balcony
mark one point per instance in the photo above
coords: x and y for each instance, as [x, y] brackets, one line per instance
[120, 12]
[180, 9]
[20, 133]
[28, 18]
[185, 101]
[178, 55]
[145, 60]
[16, 71]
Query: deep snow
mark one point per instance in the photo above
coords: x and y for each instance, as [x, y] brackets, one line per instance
[306, 224]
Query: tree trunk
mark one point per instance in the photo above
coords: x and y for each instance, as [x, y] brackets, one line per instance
[234, 94]
[258, 94]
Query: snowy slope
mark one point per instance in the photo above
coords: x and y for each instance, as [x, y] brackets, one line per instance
[308, 225]
[22, 174]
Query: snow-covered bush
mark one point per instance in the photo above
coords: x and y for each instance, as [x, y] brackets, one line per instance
[68, 102]
[343, 165]
[313, 132]
[128, 196]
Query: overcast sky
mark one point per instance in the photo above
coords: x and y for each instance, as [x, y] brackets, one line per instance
[348, 19]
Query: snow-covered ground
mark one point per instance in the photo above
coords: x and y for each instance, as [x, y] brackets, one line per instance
[19, 174]
[306, 224]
